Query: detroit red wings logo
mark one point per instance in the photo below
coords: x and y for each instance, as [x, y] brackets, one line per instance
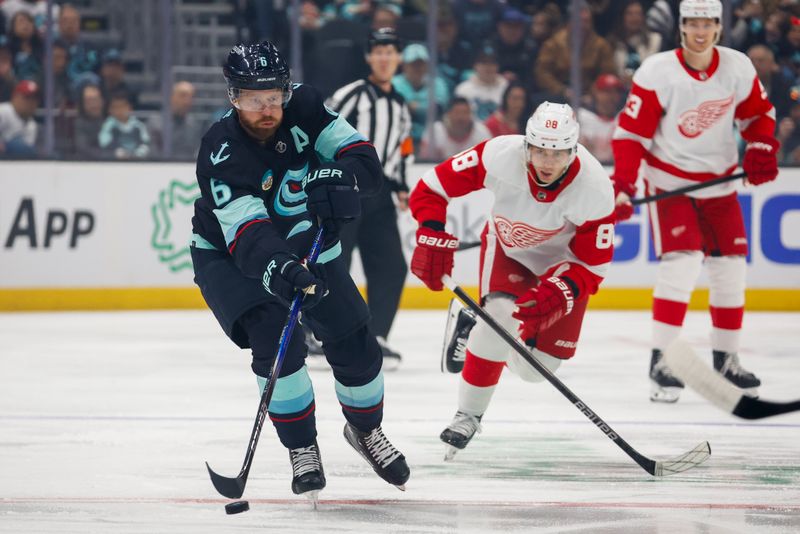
[518, 234]
[693, 122]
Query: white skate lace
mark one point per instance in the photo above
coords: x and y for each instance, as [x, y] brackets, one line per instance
[460, 353]
[732, 366]
[304, 460]
[465, 424]
[379, 447]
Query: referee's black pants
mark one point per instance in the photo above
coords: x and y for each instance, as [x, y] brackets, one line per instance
[376, 235]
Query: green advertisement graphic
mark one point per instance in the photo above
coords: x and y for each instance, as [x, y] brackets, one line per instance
[173, 250]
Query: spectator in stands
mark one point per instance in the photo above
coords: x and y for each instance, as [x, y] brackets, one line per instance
[515, 50]
[632, 41]
[479, 18]
[544, 25]
[37, 9]
[790, 51]
[112, 77]
[83, 58]
[598, 121]
[776, 26]
[662, 18]
[88, 123]
[62, 93]
[122, 135]
[454, 54]
[412, 84]
[776, 82]
[749, 26]
[7, 79]
[553, 64]
[788, 133]
[187, 129]
[484, 89]
[508, 119]
[355, 10]
[457, 131]
[26, 47]
[17, 128]
[385, 15]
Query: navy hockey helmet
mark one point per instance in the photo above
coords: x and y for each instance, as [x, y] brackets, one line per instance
[383, 37]
[256, 67]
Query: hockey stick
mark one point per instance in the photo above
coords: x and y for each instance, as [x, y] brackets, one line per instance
[233, 488]
[684, 363]
[657, 468]
[644, 200]
[688, 189]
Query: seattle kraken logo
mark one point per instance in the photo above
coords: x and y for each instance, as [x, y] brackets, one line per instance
[290, 198]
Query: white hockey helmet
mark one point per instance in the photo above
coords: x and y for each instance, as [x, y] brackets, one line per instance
[552, 126]
[700, 9]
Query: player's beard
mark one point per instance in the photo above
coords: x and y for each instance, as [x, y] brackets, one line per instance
[263, 128]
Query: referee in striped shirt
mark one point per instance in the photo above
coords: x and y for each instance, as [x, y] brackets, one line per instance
[378, 112]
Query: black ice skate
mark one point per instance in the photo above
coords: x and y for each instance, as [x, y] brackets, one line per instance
[664, 387]
[727, 364]
[308, 478]
[391, 358]
[460, 321]
[459, 432]
[376, 449]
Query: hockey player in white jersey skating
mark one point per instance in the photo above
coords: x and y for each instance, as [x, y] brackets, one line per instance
[544, 250]
[679, 119]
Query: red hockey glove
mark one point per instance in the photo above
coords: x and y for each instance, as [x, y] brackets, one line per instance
[624, 208]
[540, 307]
[761, 160]
[433, 257]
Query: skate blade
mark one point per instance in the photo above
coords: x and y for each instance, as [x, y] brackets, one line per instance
[401, 487]
[666, 395]
[312, 496]
[450, 453]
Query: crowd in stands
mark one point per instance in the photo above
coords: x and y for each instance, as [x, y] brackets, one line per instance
[496, 60]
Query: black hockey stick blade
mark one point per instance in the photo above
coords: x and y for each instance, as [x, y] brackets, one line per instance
[657, 468]
[688, 189]
[685, 364]
[233, 488]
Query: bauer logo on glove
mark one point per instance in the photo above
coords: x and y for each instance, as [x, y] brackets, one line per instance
[325, 173]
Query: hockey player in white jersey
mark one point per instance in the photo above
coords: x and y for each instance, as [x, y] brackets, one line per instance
[679, 120]
[544, 250]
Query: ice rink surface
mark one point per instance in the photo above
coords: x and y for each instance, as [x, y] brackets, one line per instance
[106, 420]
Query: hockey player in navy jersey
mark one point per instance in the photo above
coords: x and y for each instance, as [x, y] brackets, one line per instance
[269, 170]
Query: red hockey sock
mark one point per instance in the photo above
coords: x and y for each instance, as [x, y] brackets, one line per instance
[669, 311]
[480, 372]
[727, 318]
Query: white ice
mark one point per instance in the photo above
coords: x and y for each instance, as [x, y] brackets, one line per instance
[106, 420]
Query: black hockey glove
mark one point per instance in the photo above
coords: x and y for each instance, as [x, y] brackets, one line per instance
[332, 194]
[285, 276]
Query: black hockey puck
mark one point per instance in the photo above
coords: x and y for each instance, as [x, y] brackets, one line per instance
[237, 507]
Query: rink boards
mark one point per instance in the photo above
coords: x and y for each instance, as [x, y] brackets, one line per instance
[115, 236]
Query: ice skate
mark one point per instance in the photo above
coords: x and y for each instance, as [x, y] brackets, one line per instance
[664, 386]
[727, 364]
[391, 358]
[308, 477]
[460, 321]
[459, 433]
[385, 460]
